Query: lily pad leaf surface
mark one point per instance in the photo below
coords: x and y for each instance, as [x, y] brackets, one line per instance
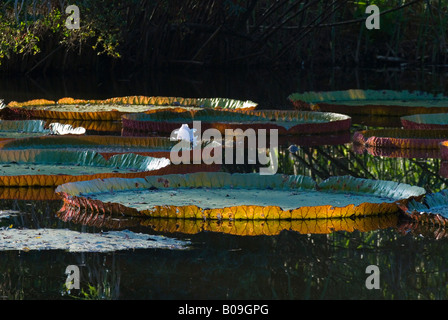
[425, 121]
[48, 168]
[237, 196]
[294, 122]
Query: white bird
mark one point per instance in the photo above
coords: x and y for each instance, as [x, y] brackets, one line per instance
[186, 134]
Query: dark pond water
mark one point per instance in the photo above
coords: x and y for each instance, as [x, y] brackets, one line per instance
[412, 260]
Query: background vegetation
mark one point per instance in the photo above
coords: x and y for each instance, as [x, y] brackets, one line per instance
[136, 34]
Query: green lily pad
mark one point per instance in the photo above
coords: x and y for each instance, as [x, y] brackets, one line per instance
[285, 122]
[45, 168]
[12, 129]
[105, 145]
[432, 210]
[425, 121]
[371, 102]
[113, 108]
[237, 196]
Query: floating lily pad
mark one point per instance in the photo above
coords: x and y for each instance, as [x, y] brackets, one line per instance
[12, 129]
[371, 102]
[298, 122]
[425, 121]
[223, 196]
[113, 108]
[74, 241]
[47, 168]
[105, 145]
[432, 210]
[401, 138]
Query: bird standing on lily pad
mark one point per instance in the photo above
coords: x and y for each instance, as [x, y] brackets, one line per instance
[186, 134]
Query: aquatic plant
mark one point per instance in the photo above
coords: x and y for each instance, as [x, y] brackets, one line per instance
[425, 121]
[237, 197]
[371, 102]
[113, 108]
[286, 122]
[401, 138]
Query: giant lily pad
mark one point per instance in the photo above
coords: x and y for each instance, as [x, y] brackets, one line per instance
[401, 138]
[113, 108]
[285, 122]
[432, 210]
[11, 129]
[371, 102]
[105, 145]
[425, 121]
[223, 196]
[48, 168]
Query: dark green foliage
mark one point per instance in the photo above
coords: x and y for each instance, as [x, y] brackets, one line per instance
[142, 33]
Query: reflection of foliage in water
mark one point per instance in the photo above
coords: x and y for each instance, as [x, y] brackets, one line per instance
[322, 162]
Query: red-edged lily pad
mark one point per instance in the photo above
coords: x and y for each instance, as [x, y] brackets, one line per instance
[425, 121]
[112, 109]
[223, 196]
[371, 102]
[285, 122]
[401, 138]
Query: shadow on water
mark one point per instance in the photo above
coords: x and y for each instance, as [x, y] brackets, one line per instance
[287, 265]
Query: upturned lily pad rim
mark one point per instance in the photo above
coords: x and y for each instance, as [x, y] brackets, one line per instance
[133, 165]
[425, 121]
[79, 195]
[221, 103]
[401, 138]
[286, 122]
[49, 109]
[426, 211]
[353, 101]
